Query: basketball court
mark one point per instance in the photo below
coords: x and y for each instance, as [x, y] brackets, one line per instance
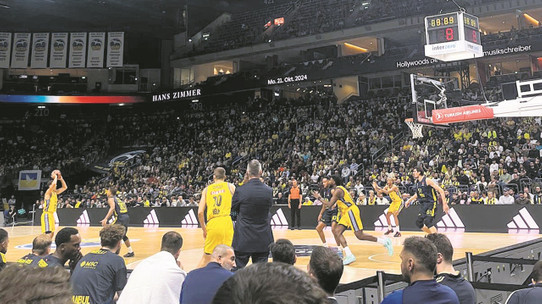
[370, 256]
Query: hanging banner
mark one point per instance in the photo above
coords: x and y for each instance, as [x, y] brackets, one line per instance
[96, 45]
[459, 114]
[59, 50]
[5, 49]
[78, 50]
[21, 47]
[40, 49]
[115, 49]
[29, 180]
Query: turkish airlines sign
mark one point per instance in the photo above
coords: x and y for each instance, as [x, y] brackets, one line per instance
[459, 114]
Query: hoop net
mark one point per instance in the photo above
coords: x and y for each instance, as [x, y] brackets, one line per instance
[416, 128]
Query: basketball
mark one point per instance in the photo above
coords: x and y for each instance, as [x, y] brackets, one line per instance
[56, 173]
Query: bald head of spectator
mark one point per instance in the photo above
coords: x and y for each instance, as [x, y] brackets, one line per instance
[41, 245]
[225, 256]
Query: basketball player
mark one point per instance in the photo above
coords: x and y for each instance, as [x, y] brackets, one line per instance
[49, 203]
[117, 209]
[395, 207]
[349, 217]
[426, 194]
[328, 215]
[216, 198]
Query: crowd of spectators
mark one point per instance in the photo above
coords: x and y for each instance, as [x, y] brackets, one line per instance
[304, 139]
[312, 17]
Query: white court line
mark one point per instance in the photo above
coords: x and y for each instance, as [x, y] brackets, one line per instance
[371, 258]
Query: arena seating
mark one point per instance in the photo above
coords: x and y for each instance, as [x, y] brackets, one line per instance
[312, 136]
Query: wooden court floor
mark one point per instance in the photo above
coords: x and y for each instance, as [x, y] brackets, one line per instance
[370, 256]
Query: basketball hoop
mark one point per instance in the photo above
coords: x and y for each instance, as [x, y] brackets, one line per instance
[416, 128]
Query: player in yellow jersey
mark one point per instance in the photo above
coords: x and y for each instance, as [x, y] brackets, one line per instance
[392, 190]
[349, 217]
[50, 202]
[216, 199]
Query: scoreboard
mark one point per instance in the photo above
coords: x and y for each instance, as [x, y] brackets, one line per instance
[453, 36]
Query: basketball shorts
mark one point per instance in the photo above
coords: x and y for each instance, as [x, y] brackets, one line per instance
[47, 222]
[395, 206]
[329, 216]
[219, 231]
[350, 218]
[124, 220]
[427, 213]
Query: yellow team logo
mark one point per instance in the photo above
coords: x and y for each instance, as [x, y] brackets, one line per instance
[81, 299]
[42, 264]
[88, 265]
[24, 261]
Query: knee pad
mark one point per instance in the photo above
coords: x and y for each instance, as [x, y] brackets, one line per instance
[420, 221]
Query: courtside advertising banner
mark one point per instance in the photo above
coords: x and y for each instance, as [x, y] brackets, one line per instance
[21, 49]
[115, 49]
[5, 49]
[59, 50]
[78, 50]
[29, 180]
[40, 50]
[96, 46]
[458, 114]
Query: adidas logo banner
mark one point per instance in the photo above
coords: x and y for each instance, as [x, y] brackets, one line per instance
[382, 222]
[151, 220]
[190, 220]
[523, 221]
[278, 220]
[451, 221]
[83, 220]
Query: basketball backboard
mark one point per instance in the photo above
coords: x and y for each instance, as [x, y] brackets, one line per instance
[429, 94]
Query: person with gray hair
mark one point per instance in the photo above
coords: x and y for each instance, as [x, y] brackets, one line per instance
[41, 246]
[252, 202]
[201, 284]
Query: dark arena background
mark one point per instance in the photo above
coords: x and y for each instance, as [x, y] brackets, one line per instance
[152, 95]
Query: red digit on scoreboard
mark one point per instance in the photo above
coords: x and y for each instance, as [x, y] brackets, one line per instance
[474, 37]
[449, 34]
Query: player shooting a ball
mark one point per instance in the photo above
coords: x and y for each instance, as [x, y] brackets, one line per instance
[50, 201]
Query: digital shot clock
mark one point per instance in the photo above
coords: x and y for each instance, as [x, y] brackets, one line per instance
[452, 36]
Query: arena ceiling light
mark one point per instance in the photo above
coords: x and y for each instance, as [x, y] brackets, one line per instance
[356, 47]
[531, 19]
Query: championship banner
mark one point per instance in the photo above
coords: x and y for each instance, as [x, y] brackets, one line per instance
[78, 50]
[458, 114]
[21, 48]
[115, 49]
[96, 45]
[29, 180]
[59, 50]
[40, 49]
[5, 49]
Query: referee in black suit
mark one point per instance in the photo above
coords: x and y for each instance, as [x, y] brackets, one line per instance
[252, 233]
